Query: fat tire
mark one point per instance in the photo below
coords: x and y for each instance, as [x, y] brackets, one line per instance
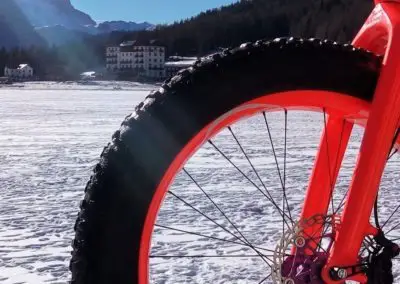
[117, 197]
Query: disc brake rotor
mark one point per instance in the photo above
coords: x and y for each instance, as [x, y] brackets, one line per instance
[299, 257]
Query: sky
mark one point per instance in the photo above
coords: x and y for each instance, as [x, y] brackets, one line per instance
[152, 11]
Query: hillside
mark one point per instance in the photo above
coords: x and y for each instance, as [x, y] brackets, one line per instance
[112, 26]
[252, 20]
[36, 22]
[41, 13]
[209, 31]
[15, 29]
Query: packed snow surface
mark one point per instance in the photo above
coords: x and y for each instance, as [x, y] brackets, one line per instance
[52, 135]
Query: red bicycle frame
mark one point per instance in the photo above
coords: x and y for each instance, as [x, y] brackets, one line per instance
[381, 35]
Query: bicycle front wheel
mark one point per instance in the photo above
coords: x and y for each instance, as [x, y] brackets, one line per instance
[184, 156]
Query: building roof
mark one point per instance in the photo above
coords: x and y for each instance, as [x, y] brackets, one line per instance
[22, 66]
[130, 43]
[19, 66]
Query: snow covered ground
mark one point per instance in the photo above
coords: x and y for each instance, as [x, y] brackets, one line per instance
[81, 85]
[50, 139]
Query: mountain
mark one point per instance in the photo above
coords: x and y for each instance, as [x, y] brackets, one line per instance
[48, 13]
[15, 28]
[243, 21]
[59, 22]
[58, 34]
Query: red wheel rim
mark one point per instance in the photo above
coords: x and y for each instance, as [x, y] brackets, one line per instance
[350, 108]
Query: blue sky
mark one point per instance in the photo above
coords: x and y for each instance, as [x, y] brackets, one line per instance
[153, 11]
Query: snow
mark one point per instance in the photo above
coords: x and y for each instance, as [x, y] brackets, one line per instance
[88, 73]
[84, 85]
[22, 66]
[183, 63]
[50, 140]
[52, 135]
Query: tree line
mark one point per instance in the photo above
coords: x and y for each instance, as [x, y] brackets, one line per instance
[57, 62]
[247, 20]
[209, 31]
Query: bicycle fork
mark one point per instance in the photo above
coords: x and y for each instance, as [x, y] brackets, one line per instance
[380, 34]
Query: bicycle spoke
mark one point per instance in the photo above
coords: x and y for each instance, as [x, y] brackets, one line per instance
[216, 223]
[214, 238]
[277, 166]
[205, 256]
[390, 217]
[262, 281]
[250, 163]
[253, 173]
[218, 208]
[284, 173]
[312, 237]
[329, 161]
[204, 215]
[392, 154]
[247, 157]
[393, 228]
[342, 201]
[269, 196]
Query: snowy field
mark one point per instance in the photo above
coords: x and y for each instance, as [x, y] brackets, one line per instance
[83, 86]
[50, 140]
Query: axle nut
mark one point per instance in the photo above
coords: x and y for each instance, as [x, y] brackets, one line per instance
[300, 242]
[342, 273]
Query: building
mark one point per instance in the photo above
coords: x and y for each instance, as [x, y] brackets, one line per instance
[23, 71]
[176, 63]
[112, 57]
[143, 58]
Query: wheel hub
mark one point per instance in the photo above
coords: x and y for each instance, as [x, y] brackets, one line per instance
[308, 254]
[300, 258]
[304, 268]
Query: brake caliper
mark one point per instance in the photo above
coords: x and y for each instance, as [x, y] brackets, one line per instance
[379, 269]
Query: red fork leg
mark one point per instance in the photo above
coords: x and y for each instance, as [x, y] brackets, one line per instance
[333, 146]
[379, 132]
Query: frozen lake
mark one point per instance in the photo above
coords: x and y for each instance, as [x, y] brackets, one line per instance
[51, 139]
[49, 142]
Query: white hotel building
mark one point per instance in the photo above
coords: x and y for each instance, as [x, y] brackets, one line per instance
[145, 58]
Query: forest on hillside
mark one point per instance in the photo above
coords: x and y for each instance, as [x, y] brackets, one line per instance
[246, 20]
[64, 62]
[258, 19]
